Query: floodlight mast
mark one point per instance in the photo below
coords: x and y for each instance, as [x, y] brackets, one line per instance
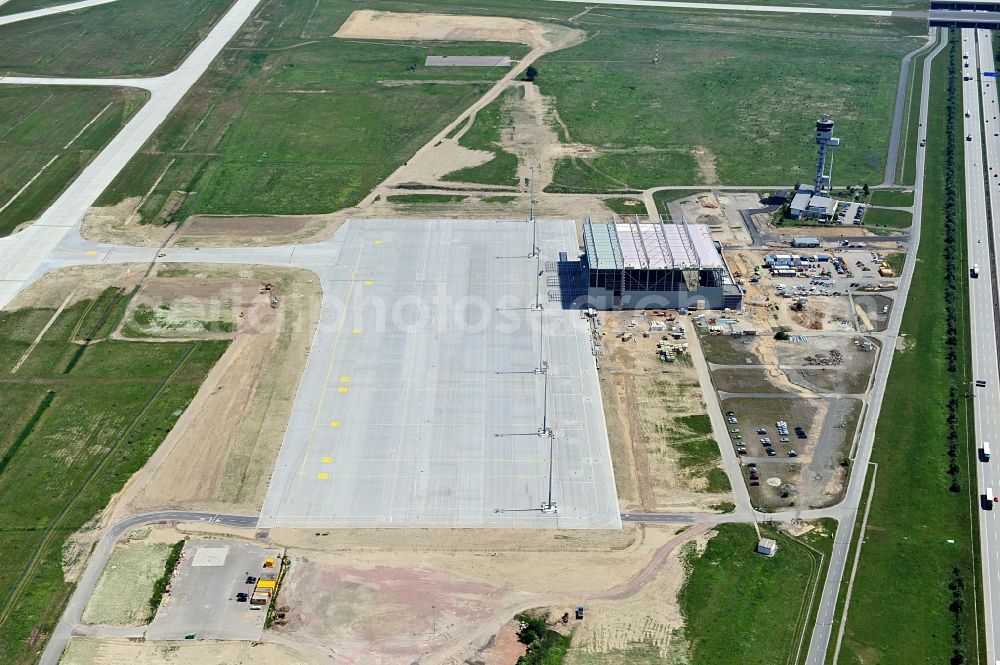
[533, 220]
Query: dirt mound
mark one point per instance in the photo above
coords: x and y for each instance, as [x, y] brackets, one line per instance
[367, 24]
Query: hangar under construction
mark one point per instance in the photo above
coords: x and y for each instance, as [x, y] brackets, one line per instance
[642, 265]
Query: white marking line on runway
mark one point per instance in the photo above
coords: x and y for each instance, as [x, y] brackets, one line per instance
[735, 8]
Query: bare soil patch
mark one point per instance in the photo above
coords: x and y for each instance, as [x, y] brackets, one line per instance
[83, 282]
[398, 595]
[227, 227]
[642, 397]
[220, 454]
[118, 224]
[93, 650]
[367, 24]
[706, 165]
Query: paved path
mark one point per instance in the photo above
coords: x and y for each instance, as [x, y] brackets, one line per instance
[899, 113]
[70, 620]
[49, 11]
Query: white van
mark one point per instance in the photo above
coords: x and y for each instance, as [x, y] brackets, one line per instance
[988, 499]
[986, 451]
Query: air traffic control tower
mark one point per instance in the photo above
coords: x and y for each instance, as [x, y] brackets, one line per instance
[824, 162]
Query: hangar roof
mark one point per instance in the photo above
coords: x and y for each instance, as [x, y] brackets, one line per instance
[655, 246]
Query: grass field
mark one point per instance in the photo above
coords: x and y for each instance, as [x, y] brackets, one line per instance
[484, 134]
[111, 404]
[274, 129]
[742, 607]
[626, 206]
[895, 219]
[40, 124]
[137, 38]
[908, 620]
[888, 197]
[722, 90]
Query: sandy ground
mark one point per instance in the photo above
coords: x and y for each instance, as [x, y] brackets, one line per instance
[366, 24]
[120, 651]
[636, 388]
[398, 596]
[119, 224]
[220, 453]
[121, 597]
[82, 282]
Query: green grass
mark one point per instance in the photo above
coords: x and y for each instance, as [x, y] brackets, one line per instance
[896, 219]
[908, 620]
[499, 199]
[646, 119]
[425, 198]
[699, 423]
[888, 197]
[38, 123]
[138, 37]
[740, 606]
[626, 206]
[107, 415]
[484, 134]
[160, 587]
[896, 260]
[272, 129]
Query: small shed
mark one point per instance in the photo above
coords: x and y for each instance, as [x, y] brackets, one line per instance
[767, 547]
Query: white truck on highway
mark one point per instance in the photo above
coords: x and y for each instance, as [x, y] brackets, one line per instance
[985, 451]
[975, 270]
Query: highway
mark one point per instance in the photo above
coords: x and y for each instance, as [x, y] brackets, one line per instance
[981, 129]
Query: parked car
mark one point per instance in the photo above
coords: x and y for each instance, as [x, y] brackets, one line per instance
[771, 452]
[730, 414]
[792, 453]
[761, 430]
[735, 430]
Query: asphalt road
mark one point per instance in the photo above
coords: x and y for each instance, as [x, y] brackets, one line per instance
[982, 123]
[98, 559]
[898, 114]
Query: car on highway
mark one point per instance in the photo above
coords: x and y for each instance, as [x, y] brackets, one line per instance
[980, 383]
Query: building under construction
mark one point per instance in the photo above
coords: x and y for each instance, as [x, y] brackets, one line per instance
[642, 265]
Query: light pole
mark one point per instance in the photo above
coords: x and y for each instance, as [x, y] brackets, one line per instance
[534, 221]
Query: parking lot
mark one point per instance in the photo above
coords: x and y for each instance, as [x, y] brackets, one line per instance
[203, 594]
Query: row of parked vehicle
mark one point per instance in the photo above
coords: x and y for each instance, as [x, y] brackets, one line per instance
[765, 440]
